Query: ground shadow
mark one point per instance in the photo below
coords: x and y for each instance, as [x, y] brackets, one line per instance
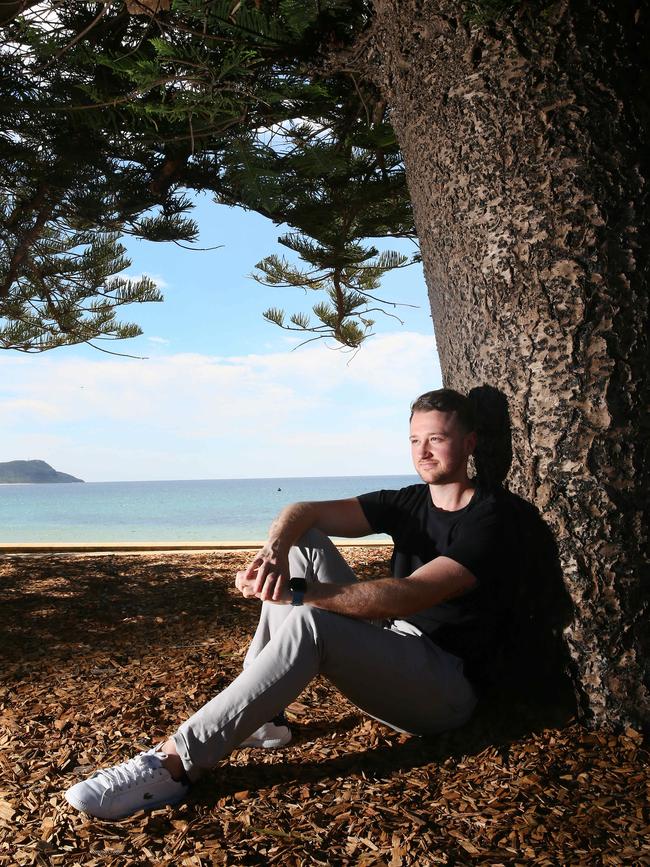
[52, 607]
[491, 726]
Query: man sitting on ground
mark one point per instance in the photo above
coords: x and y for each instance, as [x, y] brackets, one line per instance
[406, 649]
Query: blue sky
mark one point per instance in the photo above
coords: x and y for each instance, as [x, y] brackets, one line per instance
[222, 393]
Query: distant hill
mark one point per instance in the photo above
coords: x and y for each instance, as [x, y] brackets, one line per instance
[15, 472]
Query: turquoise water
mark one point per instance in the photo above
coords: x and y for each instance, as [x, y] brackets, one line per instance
[208, 510]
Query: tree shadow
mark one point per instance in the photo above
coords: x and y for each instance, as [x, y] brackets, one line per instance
[491, 727]
[53, 607]
[534, 667]
[493, 453]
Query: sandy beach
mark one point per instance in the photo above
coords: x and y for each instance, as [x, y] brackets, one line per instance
[154, 546]
[103, 655]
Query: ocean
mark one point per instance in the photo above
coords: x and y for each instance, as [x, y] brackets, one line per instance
[210, 510]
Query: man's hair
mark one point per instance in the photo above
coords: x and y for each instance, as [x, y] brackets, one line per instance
[447, 400]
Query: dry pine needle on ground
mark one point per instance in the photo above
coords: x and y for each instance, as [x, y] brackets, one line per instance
[105, 655]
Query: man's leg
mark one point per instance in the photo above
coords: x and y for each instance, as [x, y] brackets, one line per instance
[158, 776]
[403, 680]
[315, 558]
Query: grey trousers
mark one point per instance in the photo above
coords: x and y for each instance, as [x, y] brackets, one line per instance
[393, 673]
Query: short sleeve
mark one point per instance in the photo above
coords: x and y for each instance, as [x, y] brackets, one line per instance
[378, 507]
[399, 513]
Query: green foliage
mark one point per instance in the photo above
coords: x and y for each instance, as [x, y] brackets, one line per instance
[110, 116]
[339, 179]
[63, 288]
[349, 275]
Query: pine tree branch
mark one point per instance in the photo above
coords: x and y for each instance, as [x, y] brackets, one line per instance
[340, 300]
[384, 301]
[78, 37]
[207, 132]
[119, 354]
[9, 9]
[139, 92]
[38, 203]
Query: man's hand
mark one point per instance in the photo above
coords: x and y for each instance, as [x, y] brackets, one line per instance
[246, 587]
[266, 577]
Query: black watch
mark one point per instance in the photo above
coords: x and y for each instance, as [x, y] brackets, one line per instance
[298, 587]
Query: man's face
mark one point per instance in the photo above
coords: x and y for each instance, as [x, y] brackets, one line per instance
[440, 448]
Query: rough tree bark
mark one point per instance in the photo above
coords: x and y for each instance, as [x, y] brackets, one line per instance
[526, 148]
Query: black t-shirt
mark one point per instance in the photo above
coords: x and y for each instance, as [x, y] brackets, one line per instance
[469, 625]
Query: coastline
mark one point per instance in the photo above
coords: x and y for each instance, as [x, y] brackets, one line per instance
[155, 547]
[198, 515]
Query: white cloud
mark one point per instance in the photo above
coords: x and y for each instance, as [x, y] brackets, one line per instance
[159, 281]
[29, 407]
[161, 340]
[310, 412]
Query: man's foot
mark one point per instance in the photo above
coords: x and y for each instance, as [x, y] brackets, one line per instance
[142, 783]
[271, 735]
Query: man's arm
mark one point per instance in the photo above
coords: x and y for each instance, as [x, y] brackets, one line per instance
[270, 568]
[435, 582]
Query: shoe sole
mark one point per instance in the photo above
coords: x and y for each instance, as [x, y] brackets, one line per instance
[150, 805]
[267, 744]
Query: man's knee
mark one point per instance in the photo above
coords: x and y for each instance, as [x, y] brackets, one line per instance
[304, 552]
[312, 538]
[315, 557]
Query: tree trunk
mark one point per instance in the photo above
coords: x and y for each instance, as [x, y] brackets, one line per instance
[526, 148]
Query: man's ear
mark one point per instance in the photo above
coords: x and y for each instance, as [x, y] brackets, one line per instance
[471, 441]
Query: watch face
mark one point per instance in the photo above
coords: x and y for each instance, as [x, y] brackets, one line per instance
[298, 585]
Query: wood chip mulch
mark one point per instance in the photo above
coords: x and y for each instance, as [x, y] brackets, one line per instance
[104, 655]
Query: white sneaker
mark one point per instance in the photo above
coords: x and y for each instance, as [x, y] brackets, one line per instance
[142, 783]
[271, 735]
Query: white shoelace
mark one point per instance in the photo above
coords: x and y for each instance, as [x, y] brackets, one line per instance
[123, 776]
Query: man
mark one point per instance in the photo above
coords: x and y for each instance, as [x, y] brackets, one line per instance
[406, 649]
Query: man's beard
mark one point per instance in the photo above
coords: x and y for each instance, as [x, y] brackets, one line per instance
[439, 476]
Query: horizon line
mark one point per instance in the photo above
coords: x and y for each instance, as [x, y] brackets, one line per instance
[230, 479]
